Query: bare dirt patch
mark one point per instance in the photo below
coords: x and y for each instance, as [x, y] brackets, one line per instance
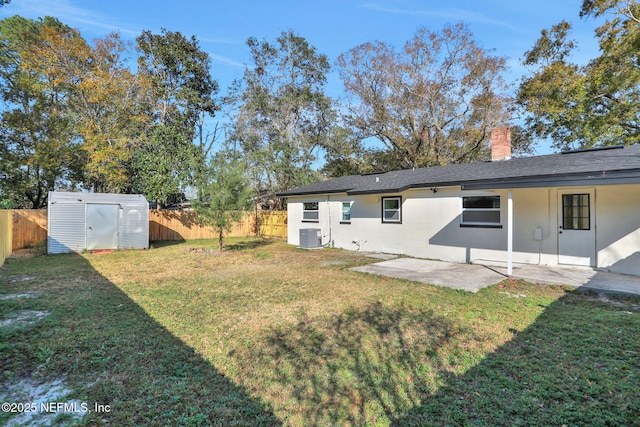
[17, 279]
[205, 251]
[23, 318]
[40, 404]
[25, 295]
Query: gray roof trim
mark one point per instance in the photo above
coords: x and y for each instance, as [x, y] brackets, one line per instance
[602, 178]
[309, 193]
[356, 192]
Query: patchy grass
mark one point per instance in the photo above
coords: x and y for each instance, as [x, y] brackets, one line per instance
[267, 334]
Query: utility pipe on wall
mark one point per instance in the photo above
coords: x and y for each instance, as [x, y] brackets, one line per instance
[509, 233]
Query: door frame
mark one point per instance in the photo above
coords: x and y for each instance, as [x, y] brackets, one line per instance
[588, 241]
[116, 238]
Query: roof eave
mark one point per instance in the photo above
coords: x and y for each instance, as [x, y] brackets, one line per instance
[309, 193]
[588, 178]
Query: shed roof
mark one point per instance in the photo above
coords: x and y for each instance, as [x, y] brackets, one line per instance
[609, 165]
[76, 197]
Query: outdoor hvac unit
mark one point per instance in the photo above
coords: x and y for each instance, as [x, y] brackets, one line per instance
[310, 238]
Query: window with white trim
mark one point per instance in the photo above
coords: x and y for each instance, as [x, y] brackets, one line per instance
[481, 211]
[346, 212]
[392, 209]
[310, 212]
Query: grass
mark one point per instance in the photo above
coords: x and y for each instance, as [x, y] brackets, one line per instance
[267, 334]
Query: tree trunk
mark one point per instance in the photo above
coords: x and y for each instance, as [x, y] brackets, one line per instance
[220, 237]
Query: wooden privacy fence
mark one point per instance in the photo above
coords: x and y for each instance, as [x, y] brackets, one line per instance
[23, 228]
[272, 224]
[29, 227]
[5, 235]
[178, 225]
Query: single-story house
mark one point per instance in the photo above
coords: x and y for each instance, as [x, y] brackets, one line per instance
[579, 207]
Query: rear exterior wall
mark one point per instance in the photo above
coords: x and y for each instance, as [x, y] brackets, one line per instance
[431, 227]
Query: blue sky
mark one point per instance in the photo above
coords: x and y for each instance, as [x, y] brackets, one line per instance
[509, 27]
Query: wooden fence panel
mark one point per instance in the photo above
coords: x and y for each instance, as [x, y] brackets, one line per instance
[272, 224]
[29, 227]
[5, 234]
[182, 225]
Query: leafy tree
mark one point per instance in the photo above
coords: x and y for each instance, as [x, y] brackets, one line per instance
[105, 100]
[283, 117]
[433, 103]
[111, 106]
[225, 191]
[183, 91]
[38, 148]
[346, 154]
[586, 105]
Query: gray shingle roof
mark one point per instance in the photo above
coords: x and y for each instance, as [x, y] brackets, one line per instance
[587, 167]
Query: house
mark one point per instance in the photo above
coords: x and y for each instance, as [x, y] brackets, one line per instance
[576, 208]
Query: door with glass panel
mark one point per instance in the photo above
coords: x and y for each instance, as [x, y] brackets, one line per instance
[576, 228]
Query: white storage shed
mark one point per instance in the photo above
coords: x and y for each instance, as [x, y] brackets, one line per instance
[91, 221]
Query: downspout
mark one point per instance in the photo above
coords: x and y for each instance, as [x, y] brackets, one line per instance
[509, 233]
[329, 243]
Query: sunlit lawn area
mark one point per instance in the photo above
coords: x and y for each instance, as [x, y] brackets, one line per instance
[267, 334]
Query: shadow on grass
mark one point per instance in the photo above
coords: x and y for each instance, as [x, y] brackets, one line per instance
[354, 368]
[577, 364]
[165, 243]
[109, 350]
[249, 244]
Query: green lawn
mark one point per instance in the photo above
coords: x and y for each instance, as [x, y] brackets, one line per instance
[267, 334]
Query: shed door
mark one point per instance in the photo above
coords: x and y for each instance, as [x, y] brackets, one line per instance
[102, 226]
[576, 228]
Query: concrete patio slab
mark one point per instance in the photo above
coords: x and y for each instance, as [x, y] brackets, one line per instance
[468, 277]
[582, 278]
[473, 277]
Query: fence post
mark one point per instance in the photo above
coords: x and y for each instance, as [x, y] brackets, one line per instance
[6, 234]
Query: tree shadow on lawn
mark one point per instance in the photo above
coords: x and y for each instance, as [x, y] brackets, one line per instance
[577, 364]
[110, 351]
[165, 243]
[253, 243]
[355, 368]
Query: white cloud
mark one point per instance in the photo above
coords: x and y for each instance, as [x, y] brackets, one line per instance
[448, 13]
[226, 60]
[67, 14]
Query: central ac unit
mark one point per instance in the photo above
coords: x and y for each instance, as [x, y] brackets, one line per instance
[310, 238]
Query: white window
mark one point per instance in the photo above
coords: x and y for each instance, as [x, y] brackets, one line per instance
[310, 212]
[481, 211]
[346, 212]
[392, 209]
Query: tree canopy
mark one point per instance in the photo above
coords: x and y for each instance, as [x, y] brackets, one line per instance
[581, 106]
[37, 142]
[432, 103]
[79, 114]
[183, 90]
[283, 116]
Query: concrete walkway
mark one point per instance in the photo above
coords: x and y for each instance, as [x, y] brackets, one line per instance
[473, 277]
[468, 277]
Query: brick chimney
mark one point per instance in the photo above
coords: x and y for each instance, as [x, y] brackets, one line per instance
[501, 143]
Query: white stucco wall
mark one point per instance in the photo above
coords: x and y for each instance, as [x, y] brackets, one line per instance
[618, 228]
[431, 228]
